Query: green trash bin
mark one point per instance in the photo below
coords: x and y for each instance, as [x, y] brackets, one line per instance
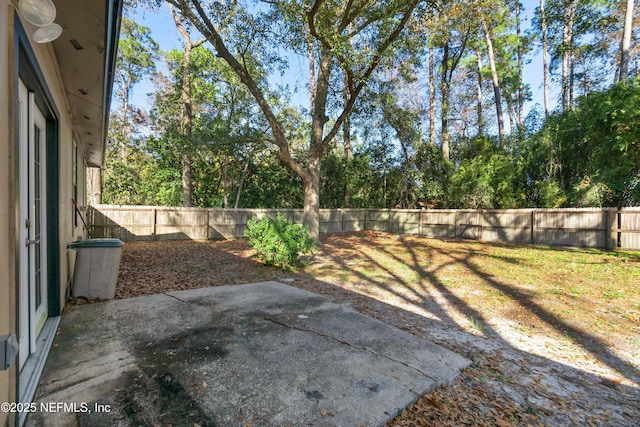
[96, 270]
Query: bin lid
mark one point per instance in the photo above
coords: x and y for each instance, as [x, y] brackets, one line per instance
[96, 243]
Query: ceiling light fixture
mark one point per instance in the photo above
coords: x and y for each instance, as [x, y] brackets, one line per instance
[41, 13]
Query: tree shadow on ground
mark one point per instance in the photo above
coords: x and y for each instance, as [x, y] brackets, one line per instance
[421, 296]
[505, 382]
[588, 341]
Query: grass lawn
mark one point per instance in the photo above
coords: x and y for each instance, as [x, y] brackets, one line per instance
[577, 295]
[554, 333]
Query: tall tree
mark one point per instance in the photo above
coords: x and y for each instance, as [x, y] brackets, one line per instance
[494, 80]
[520, 53]
[375, 27]
[346, 142]
[625, 45]
[432, 97]
[545, 59]
[187, 113]
[479, 97]
[346, 135]
[568, 22]
[137, 54]
[450, 33]
[224, 127]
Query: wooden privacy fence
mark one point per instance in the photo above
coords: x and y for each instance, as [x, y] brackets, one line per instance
[606, 228]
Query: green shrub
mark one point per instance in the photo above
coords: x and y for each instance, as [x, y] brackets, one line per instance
[278, 241]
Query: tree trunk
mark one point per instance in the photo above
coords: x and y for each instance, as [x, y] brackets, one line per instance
[572, 76]
[520, 75]
[444, 110]
[432, 98]
[187, 194]
[225, 181]
[511, 114]
[187, 114]
[346, 129]
[311, 206]
[125, 125]
[625, 46]
[567, 51]
[479, 95]
[187, 125]
[245, 171]
[407, 183]
[495, 82]
[384, 182]
[311, 176]
[450, 61]
[545, 60]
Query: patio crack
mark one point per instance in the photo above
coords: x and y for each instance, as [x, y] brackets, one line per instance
[347, 343]
[179, 299]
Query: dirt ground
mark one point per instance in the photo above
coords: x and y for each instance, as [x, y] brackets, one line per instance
[548, 348]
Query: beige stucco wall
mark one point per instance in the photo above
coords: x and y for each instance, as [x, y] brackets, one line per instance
[49, 66]
[7, 271]
[68, 232]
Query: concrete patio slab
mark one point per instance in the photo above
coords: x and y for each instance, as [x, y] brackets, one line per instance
[263, 354]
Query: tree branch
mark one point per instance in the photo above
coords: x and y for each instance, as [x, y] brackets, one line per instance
[198, 43]
[202, 22]
[382, 47]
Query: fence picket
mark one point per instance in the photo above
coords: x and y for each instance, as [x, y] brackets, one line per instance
[605, 228]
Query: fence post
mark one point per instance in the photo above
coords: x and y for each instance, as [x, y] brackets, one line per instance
[618, 242]
[533, 226]
[206, 224]
[455, 224]
[154, 220]
[607, 229]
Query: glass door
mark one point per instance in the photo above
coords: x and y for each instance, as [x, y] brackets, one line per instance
[33, 286]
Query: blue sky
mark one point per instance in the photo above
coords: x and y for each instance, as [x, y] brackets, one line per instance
[164, 32]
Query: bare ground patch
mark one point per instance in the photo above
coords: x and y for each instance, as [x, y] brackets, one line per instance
[554, 334]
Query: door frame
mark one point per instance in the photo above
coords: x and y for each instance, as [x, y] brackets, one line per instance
[33, 307]
[38, 313]
[27, 70]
